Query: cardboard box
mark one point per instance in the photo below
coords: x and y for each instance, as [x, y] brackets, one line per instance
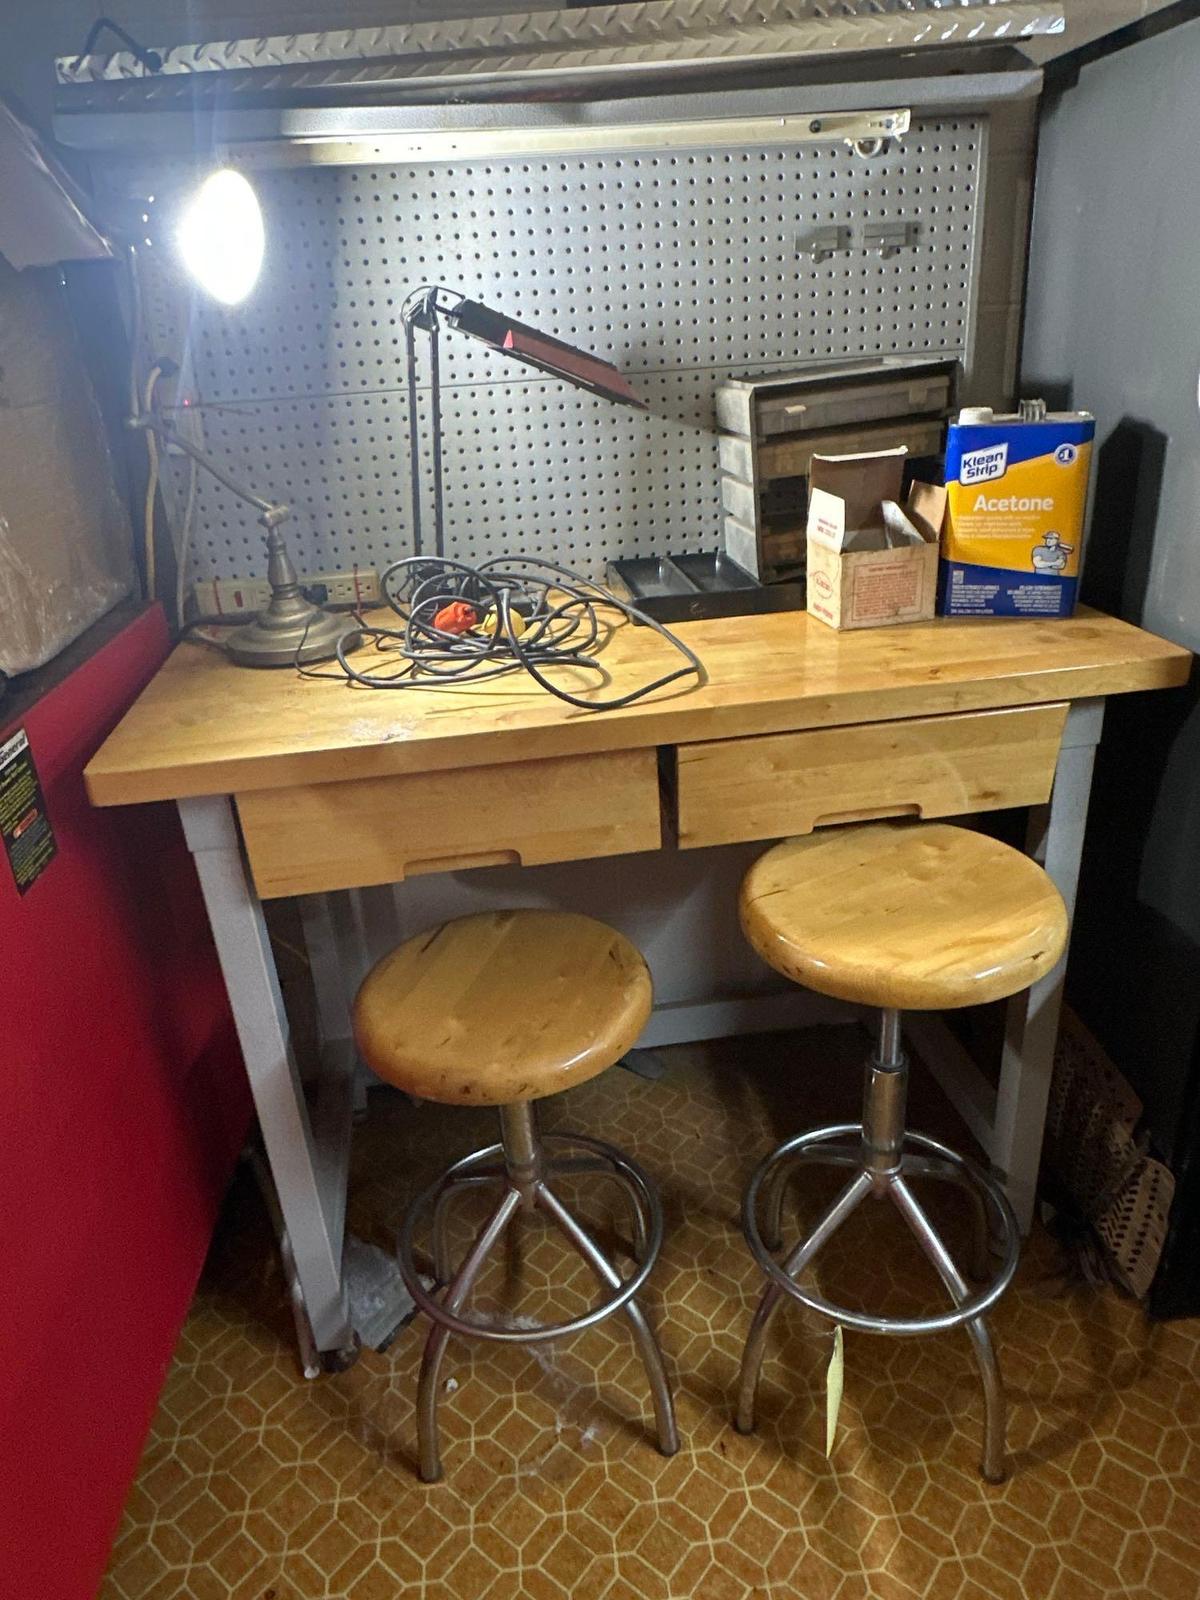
[871, 561]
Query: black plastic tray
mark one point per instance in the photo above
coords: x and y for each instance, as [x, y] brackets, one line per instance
[688, 588]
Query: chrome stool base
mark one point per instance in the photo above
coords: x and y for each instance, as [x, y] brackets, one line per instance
[521, 1167]
[884, 1157]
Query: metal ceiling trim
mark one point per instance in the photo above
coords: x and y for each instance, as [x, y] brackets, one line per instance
[263, 137]
[865, 131]
[590, 42]
[137, 146]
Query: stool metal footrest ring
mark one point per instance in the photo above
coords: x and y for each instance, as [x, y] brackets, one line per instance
[915, 1156]
[527, 1184]
[852, 1196]
[648, 1228]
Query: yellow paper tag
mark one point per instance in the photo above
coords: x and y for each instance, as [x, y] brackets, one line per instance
[834, 1380]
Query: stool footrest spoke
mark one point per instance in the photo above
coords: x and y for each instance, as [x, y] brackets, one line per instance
[601, 1160]
[915, 1156]
[524, 1185]
[771, 1177]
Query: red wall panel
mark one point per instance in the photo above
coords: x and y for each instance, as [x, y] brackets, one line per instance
[123, 1104]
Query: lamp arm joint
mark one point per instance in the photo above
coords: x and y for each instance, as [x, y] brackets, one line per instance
[272, 513]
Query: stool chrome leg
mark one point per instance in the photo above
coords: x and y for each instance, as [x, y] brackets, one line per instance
[774, 1192]
[525, 1189]
[610, 1278]
[597, 1167]
[887, 1156]
[992, 1465]
[847, 1202]
[435, 1345]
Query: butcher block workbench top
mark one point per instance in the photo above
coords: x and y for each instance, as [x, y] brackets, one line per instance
[206, 726]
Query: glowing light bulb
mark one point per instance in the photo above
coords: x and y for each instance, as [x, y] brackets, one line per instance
[221, 236]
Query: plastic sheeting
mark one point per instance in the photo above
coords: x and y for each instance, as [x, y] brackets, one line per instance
[42, 216]
[64, 533]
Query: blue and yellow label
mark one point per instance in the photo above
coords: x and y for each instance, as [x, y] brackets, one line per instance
[1015, 499]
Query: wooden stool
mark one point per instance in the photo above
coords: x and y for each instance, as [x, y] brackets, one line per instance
[503, 1009]
[901, 917]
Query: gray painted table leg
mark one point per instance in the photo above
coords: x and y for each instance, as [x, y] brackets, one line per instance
[311, 1214]
[1009, 1120]
[1055, 839]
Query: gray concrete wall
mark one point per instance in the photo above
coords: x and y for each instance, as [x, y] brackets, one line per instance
[1114, 283]
[1113, 325]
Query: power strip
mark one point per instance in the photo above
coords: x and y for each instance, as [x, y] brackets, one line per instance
[235, 596]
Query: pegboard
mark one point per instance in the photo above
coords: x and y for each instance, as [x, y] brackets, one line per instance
[682, 267]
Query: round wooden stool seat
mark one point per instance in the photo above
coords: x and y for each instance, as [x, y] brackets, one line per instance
[909, 917]
[502, 1007]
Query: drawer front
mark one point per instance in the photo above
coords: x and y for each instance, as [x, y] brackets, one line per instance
[315, 837]
[790, 456]
[850, 405]
[789, 783]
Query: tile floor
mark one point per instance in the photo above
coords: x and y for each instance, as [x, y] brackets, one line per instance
[258, 1486]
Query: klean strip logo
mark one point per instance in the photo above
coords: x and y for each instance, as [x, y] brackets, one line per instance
[981, 466]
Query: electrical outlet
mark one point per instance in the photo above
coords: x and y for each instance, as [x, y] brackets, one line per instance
[230, 596]
[353, 588]
[236, 596]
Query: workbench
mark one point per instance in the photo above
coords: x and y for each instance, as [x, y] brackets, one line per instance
[291, 785]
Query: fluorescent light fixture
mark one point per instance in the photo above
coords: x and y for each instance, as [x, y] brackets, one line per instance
[537, 349]
[221, 236]
[425, 308]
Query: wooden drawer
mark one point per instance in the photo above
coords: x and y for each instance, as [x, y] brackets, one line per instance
[849, 405]
[314, 837]
[789, 783]
[790, 455]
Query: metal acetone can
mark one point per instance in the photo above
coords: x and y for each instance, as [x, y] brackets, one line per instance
[1016, 492]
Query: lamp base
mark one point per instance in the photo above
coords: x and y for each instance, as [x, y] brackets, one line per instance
[290, 632]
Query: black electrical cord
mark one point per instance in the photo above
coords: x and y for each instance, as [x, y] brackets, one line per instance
[538, 616]
[150, 59]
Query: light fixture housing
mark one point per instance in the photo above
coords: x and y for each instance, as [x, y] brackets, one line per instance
[536, 349]
[221, 237]
[431, 304]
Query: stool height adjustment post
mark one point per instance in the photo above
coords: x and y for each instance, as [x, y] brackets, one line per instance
[885, 1097]
[522, 1153]
[891, 1050]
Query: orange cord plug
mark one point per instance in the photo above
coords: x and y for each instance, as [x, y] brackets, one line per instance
[457, 617]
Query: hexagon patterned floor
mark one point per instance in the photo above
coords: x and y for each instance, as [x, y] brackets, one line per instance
[258, 1486]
